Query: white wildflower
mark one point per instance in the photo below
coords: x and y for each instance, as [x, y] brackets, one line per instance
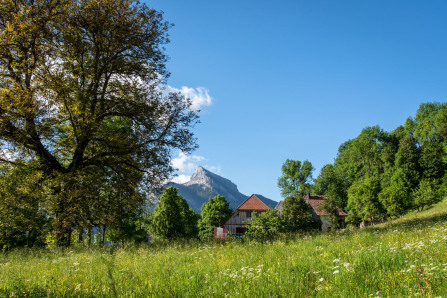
[336, 261]
[321, 279]
[348, 267]
[336, 272]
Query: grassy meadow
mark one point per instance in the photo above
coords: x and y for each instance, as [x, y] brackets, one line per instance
[402, 258]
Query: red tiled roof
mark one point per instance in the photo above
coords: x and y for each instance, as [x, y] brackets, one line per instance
[252, 203]
[316, 201]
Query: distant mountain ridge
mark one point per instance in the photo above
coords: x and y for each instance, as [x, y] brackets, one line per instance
[205, 184]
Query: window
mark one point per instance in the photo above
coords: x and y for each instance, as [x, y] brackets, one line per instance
[240, 230]
[248, 214]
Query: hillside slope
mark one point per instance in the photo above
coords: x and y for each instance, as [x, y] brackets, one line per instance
[402, 258]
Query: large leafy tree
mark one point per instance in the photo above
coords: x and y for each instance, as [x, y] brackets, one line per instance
[430, 122]
[407, 160]
[214, 213]
[296, 177]
[360, 158]
[426, 194]
[363, 200]
[80, 95]
[332, 183]
[172, 217]
[297, 216]
[396, 197]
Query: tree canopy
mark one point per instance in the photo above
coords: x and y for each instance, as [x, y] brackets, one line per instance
[172, 217]
[214, 213]
[385, 174]
[82, 103]
[296, 177]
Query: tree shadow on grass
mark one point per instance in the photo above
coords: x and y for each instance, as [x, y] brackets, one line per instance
[422, 220]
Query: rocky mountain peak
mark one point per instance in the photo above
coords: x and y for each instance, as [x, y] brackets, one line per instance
[200, 176]
[205, 178]
[205, 184]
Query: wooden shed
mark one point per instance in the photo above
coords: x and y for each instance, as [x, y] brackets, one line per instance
[237, 223]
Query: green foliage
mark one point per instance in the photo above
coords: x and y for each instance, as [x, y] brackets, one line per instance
[407, 160]
[189, 219]
[172, 217]
[23, 222]
[363, 200]
[396, 198]
[80, 102]
[330, 182]
[130, 227]
[427, 194]
[430, 122]
[391, 164]
[296, 177]
[360, 158]
[393, 199]
[214, 213]
[432, 160]
[265, 226]
[297, 216]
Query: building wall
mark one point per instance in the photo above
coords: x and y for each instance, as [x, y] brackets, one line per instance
[326, 223]
[239, 219]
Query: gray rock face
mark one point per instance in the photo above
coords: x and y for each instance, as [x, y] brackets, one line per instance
[205, 184]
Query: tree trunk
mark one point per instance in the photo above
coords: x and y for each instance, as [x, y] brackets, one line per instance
[81, 236]
[62, 233]
[89, 236]
[103, 240]
[62, 226]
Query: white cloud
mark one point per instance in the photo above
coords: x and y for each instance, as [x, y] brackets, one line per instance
[186, 163]
[199, 96]
[180, 179]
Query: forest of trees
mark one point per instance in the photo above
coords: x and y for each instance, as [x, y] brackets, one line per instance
[383, 174]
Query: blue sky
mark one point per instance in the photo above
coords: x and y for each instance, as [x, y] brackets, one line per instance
[295, 79]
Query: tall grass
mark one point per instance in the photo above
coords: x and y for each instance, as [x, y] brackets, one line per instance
[406, 257]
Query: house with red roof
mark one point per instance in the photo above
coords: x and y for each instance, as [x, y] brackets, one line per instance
[318, 212]
[238, 221]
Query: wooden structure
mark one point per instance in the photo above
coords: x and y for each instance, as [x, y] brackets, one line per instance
[326, 218]
[237, 223]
